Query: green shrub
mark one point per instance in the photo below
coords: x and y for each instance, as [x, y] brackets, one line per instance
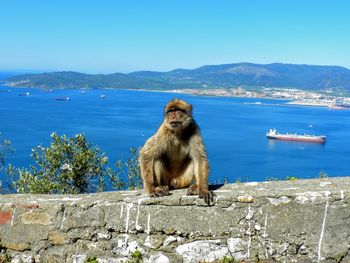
[291, 178]
[91, 260]
[5, 149]
[136, 256]
[228, 259]
[133, 169]
[130, 169]
[67, 166]
[323, 174]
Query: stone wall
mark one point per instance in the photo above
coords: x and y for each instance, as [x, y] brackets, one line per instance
[283, 221]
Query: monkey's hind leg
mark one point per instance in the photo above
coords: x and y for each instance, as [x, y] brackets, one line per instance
[184, 178]
[161, 188]
[193, 186]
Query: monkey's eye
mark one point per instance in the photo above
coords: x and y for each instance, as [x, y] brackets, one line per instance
[175, 110]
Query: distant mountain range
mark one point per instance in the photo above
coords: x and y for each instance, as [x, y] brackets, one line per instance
[308, 77]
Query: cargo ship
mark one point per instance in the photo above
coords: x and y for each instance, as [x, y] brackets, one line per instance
[274, 135]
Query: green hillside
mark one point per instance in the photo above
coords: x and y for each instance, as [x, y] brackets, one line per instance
[308, 77]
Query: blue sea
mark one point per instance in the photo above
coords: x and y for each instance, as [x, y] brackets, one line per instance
[233, 129]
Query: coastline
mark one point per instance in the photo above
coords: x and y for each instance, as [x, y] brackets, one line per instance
[293, 97]
[308, 99]
[311, 103]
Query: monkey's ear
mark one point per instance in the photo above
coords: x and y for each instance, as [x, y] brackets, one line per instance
[189, 110]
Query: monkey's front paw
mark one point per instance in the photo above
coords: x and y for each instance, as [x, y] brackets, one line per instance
[161, 191]
[207, 195]
[192, 190]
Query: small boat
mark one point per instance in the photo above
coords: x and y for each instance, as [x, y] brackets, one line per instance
[24, 94]
[103, 96]
[63, 99]
[46, 90]
[274, 135]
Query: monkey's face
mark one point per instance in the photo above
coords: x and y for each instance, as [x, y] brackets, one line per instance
[177, 119]
[178, 115]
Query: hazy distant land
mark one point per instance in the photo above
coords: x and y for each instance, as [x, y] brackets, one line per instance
[305, 84]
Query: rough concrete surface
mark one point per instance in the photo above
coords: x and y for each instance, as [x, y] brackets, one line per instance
[283, 221]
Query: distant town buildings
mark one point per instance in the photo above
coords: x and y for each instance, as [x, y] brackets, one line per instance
[297, 96]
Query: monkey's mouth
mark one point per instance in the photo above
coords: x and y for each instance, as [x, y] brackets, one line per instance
[175, 124]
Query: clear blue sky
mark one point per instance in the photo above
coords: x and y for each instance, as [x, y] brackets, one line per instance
[104, 36]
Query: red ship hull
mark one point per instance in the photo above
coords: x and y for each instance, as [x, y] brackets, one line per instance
[295, 139]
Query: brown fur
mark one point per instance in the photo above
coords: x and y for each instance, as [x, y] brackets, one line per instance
[175, 157]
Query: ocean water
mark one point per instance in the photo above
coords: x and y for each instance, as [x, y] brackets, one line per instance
[233, 129]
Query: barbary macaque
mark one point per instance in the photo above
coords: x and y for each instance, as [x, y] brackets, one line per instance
[175, 157]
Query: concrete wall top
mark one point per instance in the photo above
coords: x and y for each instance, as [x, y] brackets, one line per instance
[300, 221]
